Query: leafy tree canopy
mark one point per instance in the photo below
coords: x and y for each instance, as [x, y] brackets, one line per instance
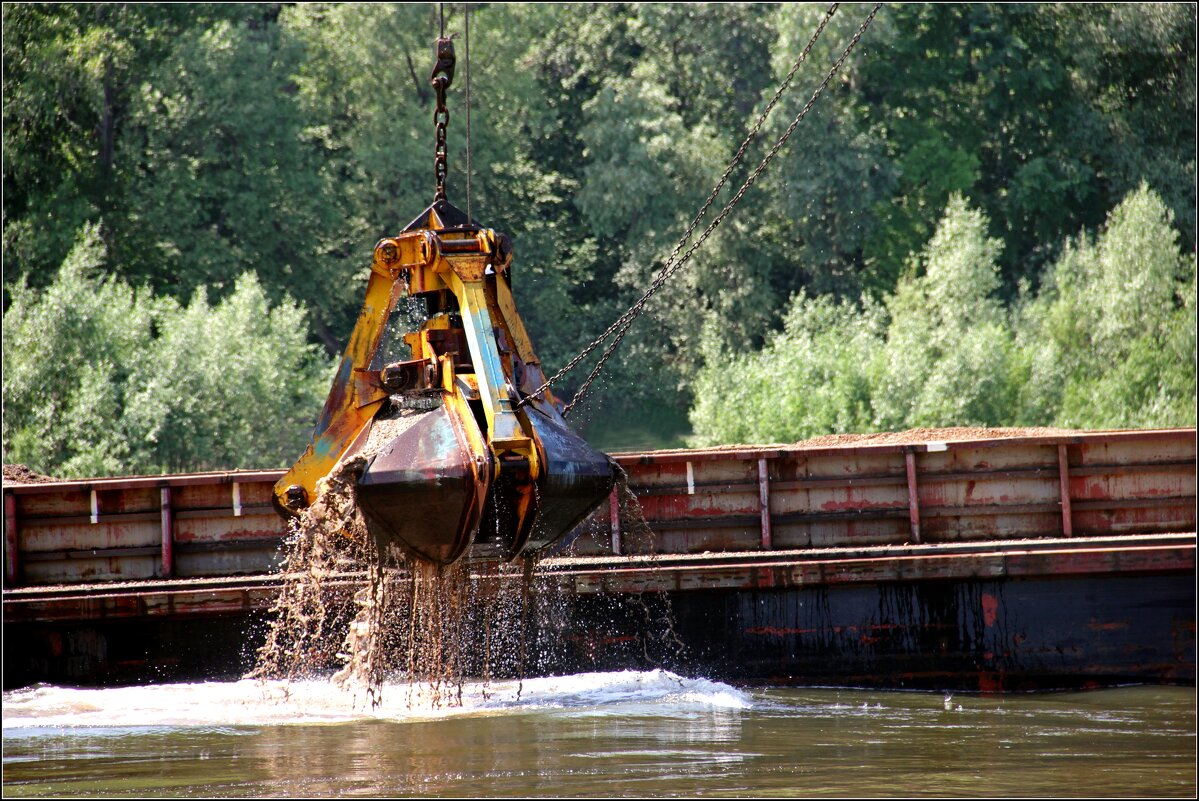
[966, 153]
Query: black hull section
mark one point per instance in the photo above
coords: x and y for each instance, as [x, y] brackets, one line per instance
[972, 636]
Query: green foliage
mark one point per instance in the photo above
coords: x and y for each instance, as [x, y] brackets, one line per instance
[1108, 343]
[227, 385]
[69, 72]
[811, 378]
[67, 355]
[1113, 335]
[948, 345]
[101, 379]
[283, 140]
[222, 178]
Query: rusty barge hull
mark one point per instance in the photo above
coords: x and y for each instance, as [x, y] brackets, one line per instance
[995, 564]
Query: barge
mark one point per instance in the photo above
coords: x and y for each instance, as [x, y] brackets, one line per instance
[980, 561]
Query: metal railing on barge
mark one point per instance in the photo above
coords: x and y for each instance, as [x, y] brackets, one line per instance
[772, 516]
[987, 564]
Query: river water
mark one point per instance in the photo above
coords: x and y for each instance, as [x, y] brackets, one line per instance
[649, 733]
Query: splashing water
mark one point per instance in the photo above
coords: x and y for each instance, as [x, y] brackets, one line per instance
[314, 701]
[372, 616]
[660, 642]
[378, 617]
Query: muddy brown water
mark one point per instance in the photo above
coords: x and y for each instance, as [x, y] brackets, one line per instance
[595, 735]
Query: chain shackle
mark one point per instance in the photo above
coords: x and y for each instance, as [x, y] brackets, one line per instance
[441, 78]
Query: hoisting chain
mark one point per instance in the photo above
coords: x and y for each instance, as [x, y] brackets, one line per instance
[671, 266]
[466, 22]
[442, 77]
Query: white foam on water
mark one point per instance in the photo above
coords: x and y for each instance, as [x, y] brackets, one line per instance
[253, 703]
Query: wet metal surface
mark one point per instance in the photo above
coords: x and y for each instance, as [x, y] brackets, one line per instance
[986, 635]
[425, 488]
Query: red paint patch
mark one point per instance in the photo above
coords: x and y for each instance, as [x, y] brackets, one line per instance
[774, 631]
[990, 609]
[989, 683]
[1095, 625]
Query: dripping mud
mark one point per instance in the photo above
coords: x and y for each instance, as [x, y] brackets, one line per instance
[369, 614]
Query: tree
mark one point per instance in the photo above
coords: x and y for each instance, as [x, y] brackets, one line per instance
[811, 378]
[947, 357]
[68, 351]
[1044, 116]
[70, 70]
[101, 379]
[1111, 340]
[223, 177]
[285, 140]
[230, 385]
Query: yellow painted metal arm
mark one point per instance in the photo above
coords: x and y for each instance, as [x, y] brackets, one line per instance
[353, 400]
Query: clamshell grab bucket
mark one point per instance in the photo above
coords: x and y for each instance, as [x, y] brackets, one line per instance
[440, 403]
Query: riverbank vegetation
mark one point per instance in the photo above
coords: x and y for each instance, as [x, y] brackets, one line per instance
[987, 219]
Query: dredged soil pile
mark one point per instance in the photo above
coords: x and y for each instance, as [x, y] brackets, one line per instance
[910, 437]
[917, 435]
[20, 474]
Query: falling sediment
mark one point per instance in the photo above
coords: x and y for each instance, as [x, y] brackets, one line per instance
[660, 642]
[373, 614]
[324, 558]
[369, 614]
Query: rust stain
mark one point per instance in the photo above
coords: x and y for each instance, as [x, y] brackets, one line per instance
[1117, 625]
[990, 605]
[778, 631]
[766, 577]
[862, 505]
[990, 683]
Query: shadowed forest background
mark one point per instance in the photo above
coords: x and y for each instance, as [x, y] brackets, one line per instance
[987, 219]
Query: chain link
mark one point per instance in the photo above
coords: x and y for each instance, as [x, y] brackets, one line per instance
[442, 77]
[803, 56]
[441, 119]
